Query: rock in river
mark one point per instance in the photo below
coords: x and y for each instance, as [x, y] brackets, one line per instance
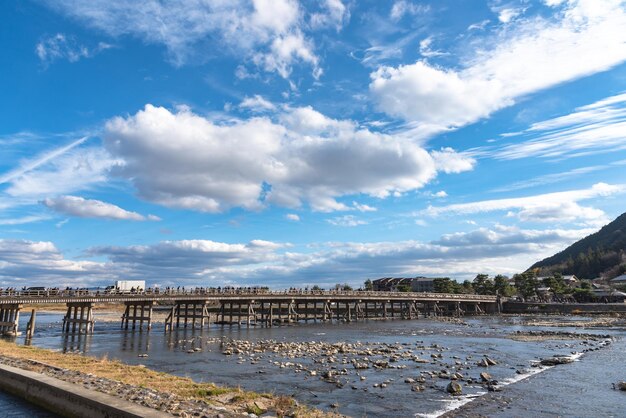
[553, 361]
[454, 388]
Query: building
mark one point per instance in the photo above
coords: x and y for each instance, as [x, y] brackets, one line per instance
[609, 296]
[395, 284]
[569, 280]
[619, 279]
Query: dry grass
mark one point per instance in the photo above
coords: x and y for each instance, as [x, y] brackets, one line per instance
[234, 398]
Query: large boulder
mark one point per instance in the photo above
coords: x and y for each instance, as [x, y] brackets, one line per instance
[620, 386]
[454, 388]
[554, 361]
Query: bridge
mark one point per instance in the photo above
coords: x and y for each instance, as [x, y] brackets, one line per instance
[201, 307]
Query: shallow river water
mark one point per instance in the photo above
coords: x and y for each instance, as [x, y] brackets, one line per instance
[579, 389]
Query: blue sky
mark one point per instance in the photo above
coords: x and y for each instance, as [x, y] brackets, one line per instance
[297, 143]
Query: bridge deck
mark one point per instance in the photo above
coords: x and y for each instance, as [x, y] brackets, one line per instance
[92, 297]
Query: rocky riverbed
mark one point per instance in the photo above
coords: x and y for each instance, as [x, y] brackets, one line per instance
[377, 368]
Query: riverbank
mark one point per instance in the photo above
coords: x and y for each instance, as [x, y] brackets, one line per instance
[175, 395]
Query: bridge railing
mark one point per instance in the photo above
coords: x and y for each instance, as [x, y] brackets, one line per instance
[166, 293]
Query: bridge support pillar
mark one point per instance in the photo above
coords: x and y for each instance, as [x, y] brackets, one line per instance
[358, 310]
[138, 312]
[458, 312]
[191, 313]
[292, 314]
[79, 318]
[328, 312]
[30, 326]
[9, 319]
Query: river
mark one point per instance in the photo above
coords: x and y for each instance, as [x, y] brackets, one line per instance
[582, 388]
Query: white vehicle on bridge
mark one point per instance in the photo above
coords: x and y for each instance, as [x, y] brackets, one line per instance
[129, 286]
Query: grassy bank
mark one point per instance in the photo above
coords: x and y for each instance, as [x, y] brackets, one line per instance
[234, 399]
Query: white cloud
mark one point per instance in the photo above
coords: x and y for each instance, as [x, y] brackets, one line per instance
[61, 46]
[562, 212]
[502, 249]
[346, 220]
[584, 37]
[361, 207]
[426, 49]
[439, 194]
[90, 208]
[75, 170]
[595, 128]
[41, 263]
[449, 161]
[188, 161]
[256, 103]
[501, 234]
[549, 207]
[402, 8]
[268, 32]
[32, 164]
[334, 14]
[292, 217]
[506, 15]
[23, 219]
[479, 26]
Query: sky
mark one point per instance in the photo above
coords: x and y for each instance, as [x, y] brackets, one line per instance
[286, 143]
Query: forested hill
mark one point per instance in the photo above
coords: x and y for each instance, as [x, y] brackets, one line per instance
[599, 254]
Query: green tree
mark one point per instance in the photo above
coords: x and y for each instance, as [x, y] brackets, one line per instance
[555, 283]
[467, 287]
[404, 288]
[483, 285]
[583, 295]
[368, 285]
[526, 284]
[443, 285]
[502, 286]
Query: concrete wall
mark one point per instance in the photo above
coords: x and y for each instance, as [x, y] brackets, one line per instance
[68, 399]
[563, 308]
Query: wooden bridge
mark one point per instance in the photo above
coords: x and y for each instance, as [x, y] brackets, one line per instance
[199, 308]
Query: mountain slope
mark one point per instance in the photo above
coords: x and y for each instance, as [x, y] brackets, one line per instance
[599, 254]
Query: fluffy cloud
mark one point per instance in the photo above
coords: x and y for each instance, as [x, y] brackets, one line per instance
[207, 263]
[292, 217]
[89, 208]
[549, 207]
[501, 234]
[27, 263]
[256, 103]
[185, 160]
[527, 55]
[449, 161]
[197, 254]
[267, 32]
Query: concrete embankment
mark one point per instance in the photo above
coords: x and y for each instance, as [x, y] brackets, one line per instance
[67, 399]
[563, 308]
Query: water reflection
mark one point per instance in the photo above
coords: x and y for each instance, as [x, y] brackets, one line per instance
[135, 341]
[76, 343]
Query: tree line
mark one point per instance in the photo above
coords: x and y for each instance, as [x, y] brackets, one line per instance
[525, 285]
